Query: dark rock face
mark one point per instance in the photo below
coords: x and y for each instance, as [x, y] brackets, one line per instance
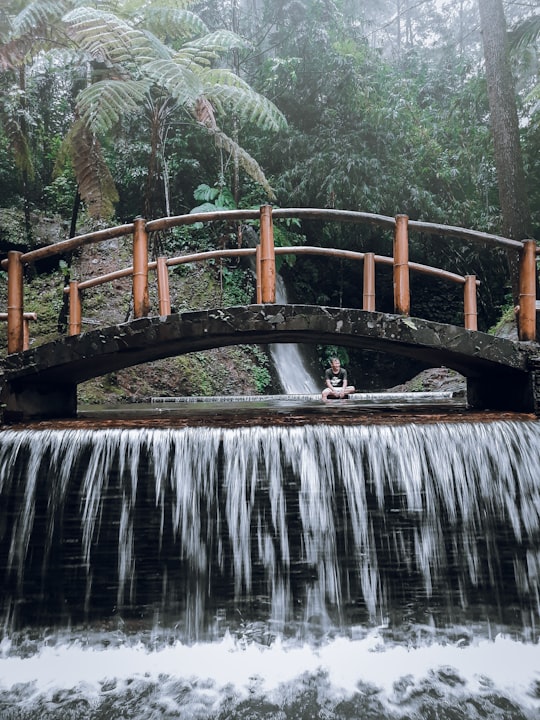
[42, 382]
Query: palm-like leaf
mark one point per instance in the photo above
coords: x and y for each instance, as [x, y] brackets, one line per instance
[249, 164]
[102, 104]
[15, 52]
[180, 81]
[39, 13]
[223, 88]
[526, 33]
[19, 144]
[208, 48]
[96, 185]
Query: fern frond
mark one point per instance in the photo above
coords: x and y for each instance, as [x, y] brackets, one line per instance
[217, 43]
[181, 82]
[107, 38]
[525, 33]
[134, 6]
[15, 52]
[39, 13]
[204, 112]
[95, 182]
[174, 22]
[246, 103]
[19, 145]
[158, 50]
[249, 164]
[102, 104]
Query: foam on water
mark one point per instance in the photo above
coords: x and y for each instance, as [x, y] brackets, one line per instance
[341, 669]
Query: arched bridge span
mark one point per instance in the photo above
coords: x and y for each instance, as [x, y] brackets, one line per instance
[42, 382]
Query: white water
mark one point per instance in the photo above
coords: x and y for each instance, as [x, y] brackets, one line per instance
[293, 372]
[182, 681]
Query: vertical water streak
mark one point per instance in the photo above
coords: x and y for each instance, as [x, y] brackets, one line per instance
[313, 519]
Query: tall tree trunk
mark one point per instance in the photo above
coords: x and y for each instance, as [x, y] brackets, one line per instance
[516, 218]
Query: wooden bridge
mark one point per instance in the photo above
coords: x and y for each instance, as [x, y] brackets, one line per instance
[42, 381]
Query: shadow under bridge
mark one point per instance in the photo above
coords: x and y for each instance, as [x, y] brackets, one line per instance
[42, 382]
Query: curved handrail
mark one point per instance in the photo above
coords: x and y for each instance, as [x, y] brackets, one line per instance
[265, 261]
[285, 250]
[353, 216]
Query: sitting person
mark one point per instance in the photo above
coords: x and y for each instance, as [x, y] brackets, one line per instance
[336, 382]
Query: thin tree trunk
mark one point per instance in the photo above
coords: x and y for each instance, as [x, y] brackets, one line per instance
[516, 218]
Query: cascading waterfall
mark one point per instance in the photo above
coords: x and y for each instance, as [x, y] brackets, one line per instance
[316, 519]
[339, 537]
[294, 374]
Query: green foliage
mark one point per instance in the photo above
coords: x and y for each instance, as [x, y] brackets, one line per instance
[58, 196]
[213, 198]
[238, 286]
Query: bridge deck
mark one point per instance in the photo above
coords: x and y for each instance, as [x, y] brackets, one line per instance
[42, 382]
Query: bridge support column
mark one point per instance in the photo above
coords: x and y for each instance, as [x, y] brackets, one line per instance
[267, 279]
[33, 401]
[141, 302]
[402, 296]
[493, 392]
[15, 309]
[527, 292]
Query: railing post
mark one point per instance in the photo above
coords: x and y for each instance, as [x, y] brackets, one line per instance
[258, 274]
[163, 286]
[469, 303]
[527, 292]
[26, 333]
[141, 302]
[268, 257]
[368, 299]
[75, 311]
[15, 309]
[402, 296]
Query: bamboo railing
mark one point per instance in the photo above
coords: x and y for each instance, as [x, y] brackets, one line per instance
[265, 256]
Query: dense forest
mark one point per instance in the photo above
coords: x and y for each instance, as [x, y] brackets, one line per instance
[115, 109]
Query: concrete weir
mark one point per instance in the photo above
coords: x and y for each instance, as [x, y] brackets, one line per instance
[42, 382]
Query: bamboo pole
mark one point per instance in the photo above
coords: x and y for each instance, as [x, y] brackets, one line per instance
[163, 286]
[527, 292]
[26, 326]
[469, 303]
[268, 257]
[15, 308]
[402, 297]
[75, 311]
[368, 300]
[258, 274]
[141, 302]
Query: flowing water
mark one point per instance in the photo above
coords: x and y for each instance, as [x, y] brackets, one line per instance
[294, 373]
[377, 570]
